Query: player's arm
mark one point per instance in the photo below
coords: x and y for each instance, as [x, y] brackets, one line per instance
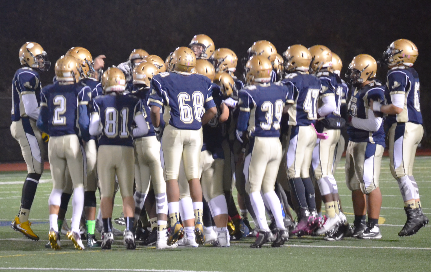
[95, 128]
[397, 83]
[374, 119]
[42, 120]
[84, 97]
[328, 99]
[31, 106]
[155, 101]
[141, 128]
[224, 113]
[208, 115]
[244, 111]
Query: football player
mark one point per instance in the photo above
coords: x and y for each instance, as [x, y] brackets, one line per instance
[366, 145]
[263, 103]
[267, 50]
[88, 78]
[148, 164]
[188, 104]
[330, 123]
[112, 119]
[156, 61]
[405, 127]
[301, 133]
[63, 104]
[202, 46]
[26, 87]
[137, 56]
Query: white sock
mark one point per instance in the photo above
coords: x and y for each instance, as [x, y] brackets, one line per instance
[173, 207]
[198, 206]
[275, 206]
[190, 232]
[187, 208]
[53, 222]
[259, 210]
[78, 206]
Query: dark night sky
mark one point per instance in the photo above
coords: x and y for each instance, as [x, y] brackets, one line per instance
[115, 28]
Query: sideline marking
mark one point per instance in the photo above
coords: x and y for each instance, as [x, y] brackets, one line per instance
[363, 247]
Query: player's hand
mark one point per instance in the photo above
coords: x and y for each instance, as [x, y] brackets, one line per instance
[99, 62]
[45, 137]
[231, 103]
[159, 132]
[241, 155]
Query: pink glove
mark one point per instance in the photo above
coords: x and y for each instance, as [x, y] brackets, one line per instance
[322, 136]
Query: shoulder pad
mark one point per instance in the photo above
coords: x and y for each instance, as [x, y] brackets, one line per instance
[164, 74]
[250, 87]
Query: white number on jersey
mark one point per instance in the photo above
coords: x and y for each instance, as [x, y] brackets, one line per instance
[186, 111]
[310, 103]
[268, 107]
[111, 122]
[60, 103]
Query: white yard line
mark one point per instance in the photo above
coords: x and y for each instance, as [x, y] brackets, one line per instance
[22, 182]
[361, 247]
[91, 269]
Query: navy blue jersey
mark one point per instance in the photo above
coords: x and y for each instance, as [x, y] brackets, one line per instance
[264, 104]
[117, 112]
[143, 94]
[25, 81]
[213, 131]
[186, 97]
[304, 92]
[238, 86]
[62, 102]
[405, 81]
[95, 86]
[330, 87]
[344, 90]
[358, 107]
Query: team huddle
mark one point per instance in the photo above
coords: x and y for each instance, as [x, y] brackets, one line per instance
[175, 136]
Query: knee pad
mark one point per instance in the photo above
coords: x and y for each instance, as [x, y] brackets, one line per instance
[55, 197]
[325, 186]
[218, 205]
[334, 186]
[90, 199]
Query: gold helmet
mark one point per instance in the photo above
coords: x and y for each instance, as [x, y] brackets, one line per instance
[168, 62]
[143, 73]
[278, 62]
[66, 69]
[138, 54]
[401, 52]
[33, 55]
[205, 68]
[113, 80]
[298, 58]
[321, 57]
[258, 70]
[226, 83]
[156, 61]
[337, 64]
[84, 58]
[224, 60]
[362, 68]
[264, 49]
[203, 46]
[183, 60]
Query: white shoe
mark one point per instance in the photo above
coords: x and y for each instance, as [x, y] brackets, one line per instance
[188, 242]
[129, 239]
[223, 238]
[210, 235]
[342, 217]
[75, 237]
[162, 241]
[329, 225]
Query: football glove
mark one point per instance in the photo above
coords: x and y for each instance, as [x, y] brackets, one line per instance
[159, 132]
[45, 137]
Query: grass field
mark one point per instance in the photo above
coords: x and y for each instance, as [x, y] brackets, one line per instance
[391, 253]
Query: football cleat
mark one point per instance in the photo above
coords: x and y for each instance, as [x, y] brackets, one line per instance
[120, 220]
[162, 241]
[342, 229]
[262, 238]
[414, 222]
[91, 241]
[107, 240]
[65, 228]
[24, 228]
[54, 239]
[176, 232]
[210, 235]
[329, 224]
[358, 230]
[301, 227]
[188, 242]
[199, 233]
[371, 232]
[223, 238]
[129, 239]
[281, 236]
[142, 234]
[151, 239]
[245, 228]
[76, 239]
[231, 227]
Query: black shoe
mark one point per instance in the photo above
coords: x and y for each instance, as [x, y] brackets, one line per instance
[281, 236]
[425, 219]
[91, 241]
[151, 239]
[358, 230]
[237, 233]
[273, 225]
[142, 234]
[262, 238]
[414, 222]
[338, 232]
